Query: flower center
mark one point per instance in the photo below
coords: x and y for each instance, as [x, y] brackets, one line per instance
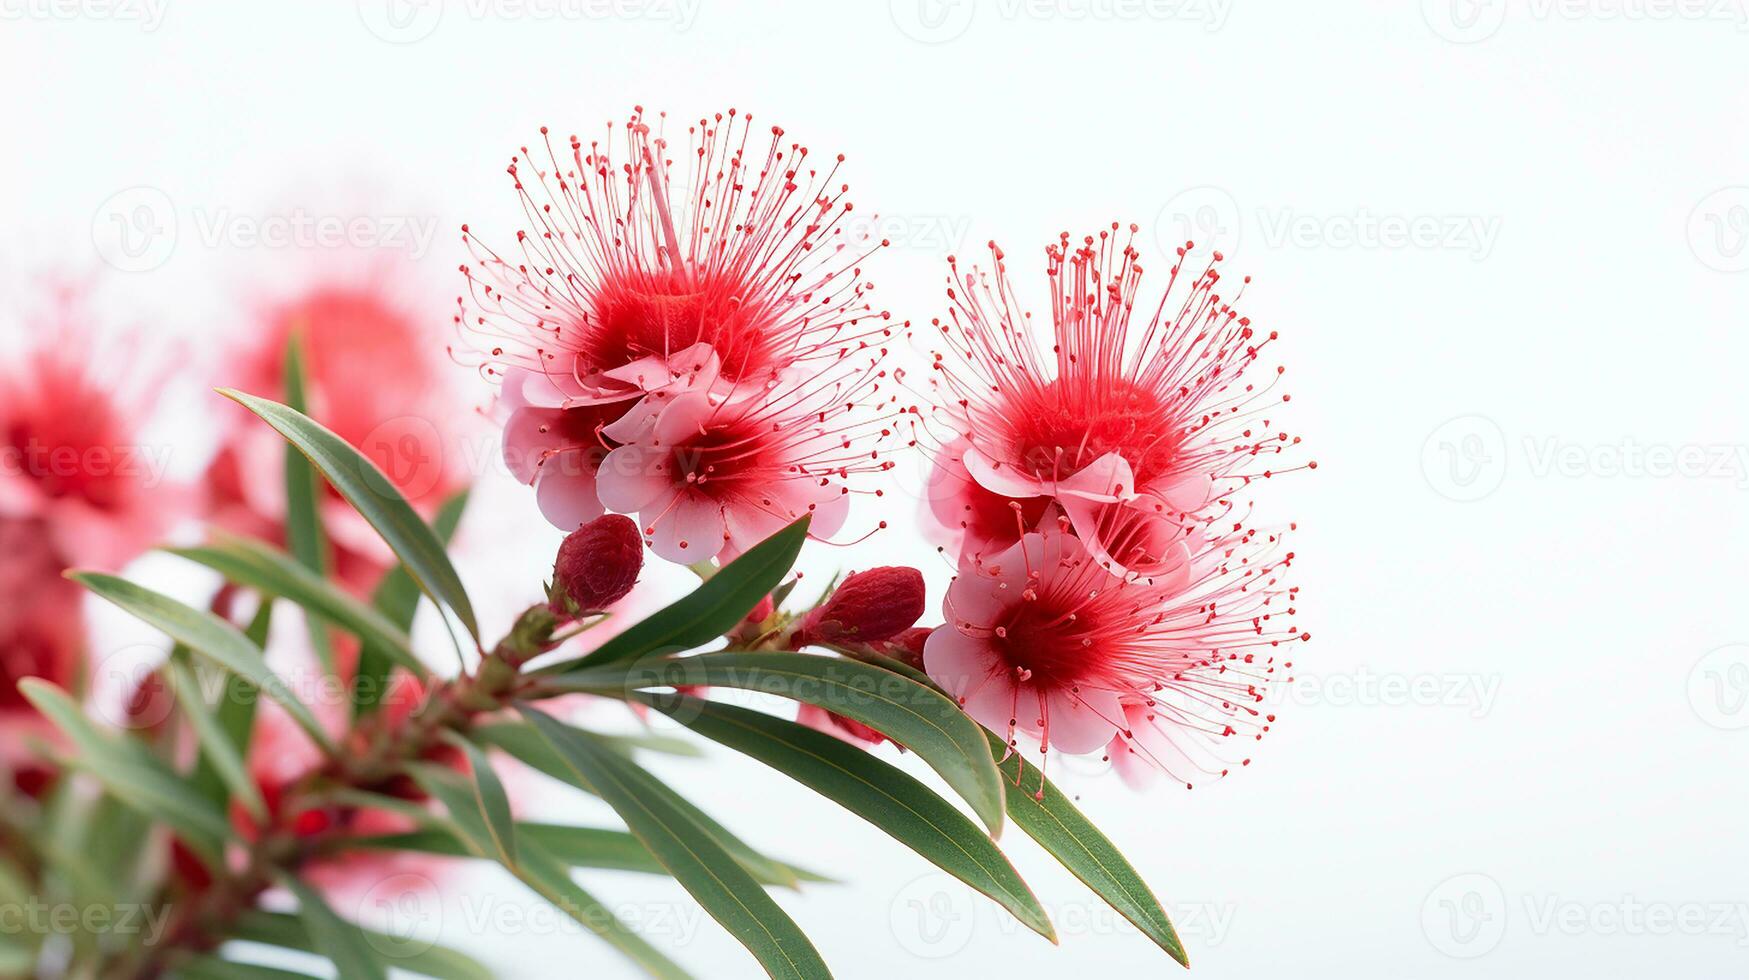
[634, 321]
[1048, 640]
[1067, 426]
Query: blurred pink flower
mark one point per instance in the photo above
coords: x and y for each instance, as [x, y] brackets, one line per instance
[371, 379]
[42, 634]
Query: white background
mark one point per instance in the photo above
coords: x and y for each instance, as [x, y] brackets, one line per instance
[1506, 747]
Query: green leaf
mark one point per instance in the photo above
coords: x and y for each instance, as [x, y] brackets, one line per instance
[216, 746]
[373, 496]
[714, 608]
[269, 570]
[915, 715]
[579, 847]
[234, 713]
[884, 795]
[397, 598]
[695, 859]
[303, 519]
[1072, 839]
[528, 747]
[540, 871]
[410, 954]
[214, 968]
[337, 939]
[209, 636]
[489, 796]
[126, 769]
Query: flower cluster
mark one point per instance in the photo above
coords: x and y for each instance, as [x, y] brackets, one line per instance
[690, 342]
[1110, 591]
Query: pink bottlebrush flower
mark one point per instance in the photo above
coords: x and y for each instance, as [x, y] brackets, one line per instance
[42, 634]
[597, 564]
[867, 607]
[645, 277]
[967, 519]
[711, 475]
[1139, 435]
[368, 378]
[71, 454]
[1043, 639]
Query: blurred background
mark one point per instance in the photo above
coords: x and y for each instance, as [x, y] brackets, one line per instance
[1506, 245]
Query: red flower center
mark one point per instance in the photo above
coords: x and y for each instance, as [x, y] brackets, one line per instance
[638, 320]
[1063, 427]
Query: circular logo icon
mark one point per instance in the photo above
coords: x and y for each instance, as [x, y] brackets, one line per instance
[1206, 215]
[932, 21]
[1718, 230]
[1464, 21]
[134, 230]
[409, 451]
[401, 21]
[130, 690]
[1465, 459]
[1465, 915]
[405, 914]
[932, 917]
[1718, 687]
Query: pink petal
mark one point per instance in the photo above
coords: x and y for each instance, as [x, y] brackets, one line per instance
[1005, 480]
[530, 436]
[632, 477]
[566, 490]
[691, 529]
[1081, 721]
[1107, 478]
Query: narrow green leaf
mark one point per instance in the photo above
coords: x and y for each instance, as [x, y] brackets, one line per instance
[337, 939]
[303, 518]
[540, 871]
[216, 746]
[397, 598]
[579, 847]
[126, 769]
[269, 570]
[915, 715]
[235, 712]
[695, 859]
[528, 747]
[208, 636]
[709, 611]
[375, 497]
[410, 954]
[884, 795]
[490, 797]
[214, 968]
[1072, 839]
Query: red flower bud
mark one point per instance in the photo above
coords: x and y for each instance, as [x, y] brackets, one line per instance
[868, 607]
[907, 647]
[598, 564]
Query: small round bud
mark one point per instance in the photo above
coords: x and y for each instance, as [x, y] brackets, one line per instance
[868, 607]
[597, 565]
